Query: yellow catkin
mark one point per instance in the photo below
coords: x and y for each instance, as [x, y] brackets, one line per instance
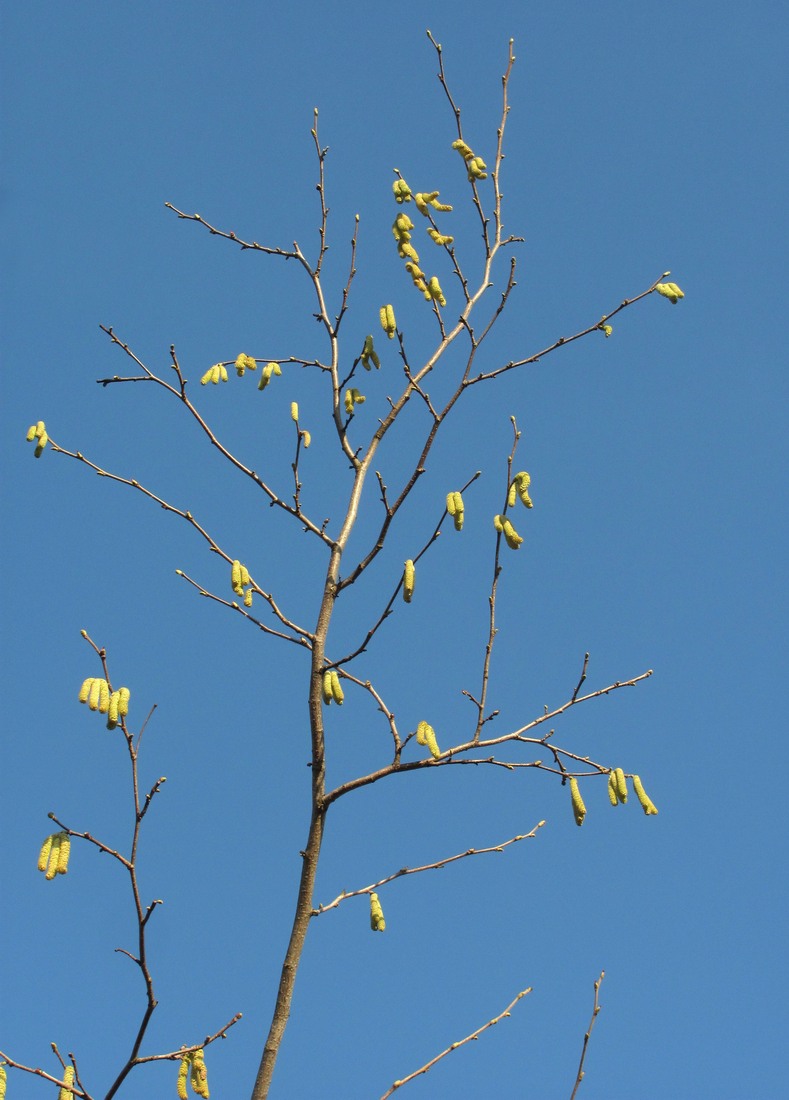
[43, 856]
[436, 293]
[199, 1076]
[104, 697]
[498, 523]
[647, 804]
[388, 323]
[31, 433]
[294, 411]
[670, 291]
[63, 854]
[268, 372]
[522, 483]
[248, 598]
[432, 743]
[235, 576]
[621, 784]
[409, 580]
[68, 1080]
[513, 539]
[613, 794]
[95, 694]
[459, 511]
[244, 363]
[207, 376]
[336, 687]
[54, 856]
[579, 810]
[112, 713]
[123, 701]
[244, 576]
[3, 1082]
[328, 694]
[426, 735]
[84, 691]
[377, 922]
[183, 1073]
[306, 438]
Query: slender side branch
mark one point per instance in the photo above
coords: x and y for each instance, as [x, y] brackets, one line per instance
[595, 1010]
[426, 867]
[455, 1046]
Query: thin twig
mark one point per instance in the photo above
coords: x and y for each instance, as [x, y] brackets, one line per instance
[596, 1009]
[426, 867]
[455, 1046]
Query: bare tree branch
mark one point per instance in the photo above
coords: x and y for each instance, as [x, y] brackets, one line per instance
[454, 1046]
[595, 1010]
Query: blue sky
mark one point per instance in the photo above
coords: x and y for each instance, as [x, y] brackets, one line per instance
[641, 138]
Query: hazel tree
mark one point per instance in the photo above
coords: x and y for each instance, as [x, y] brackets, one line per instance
[431, 238]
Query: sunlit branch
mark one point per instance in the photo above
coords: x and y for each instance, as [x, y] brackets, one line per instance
[304, 637]
[450, 755]
[595, 1010]
[564, 340]
[426, 867]
[454, 1046]
[230, 236]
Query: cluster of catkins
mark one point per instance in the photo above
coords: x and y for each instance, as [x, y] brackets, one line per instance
[96, 693]
[401, 228]
[617, 792]
[192, 1068]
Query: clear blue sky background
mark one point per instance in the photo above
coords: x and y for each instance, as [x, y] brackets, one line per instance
[642, 137]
